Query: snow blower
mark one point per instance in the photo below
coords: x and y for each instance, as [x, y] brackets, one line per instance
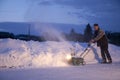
[80, 60]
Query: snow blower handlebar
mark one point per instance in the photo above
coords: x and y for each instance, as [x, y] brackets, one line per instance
[88, 46]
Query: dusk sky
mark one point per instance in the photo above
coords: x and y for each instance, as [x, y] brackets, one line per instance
[80, 12]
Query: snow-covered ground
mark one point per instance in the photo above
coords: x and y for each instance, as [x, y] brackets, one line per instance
[20, 60]
[87, 72]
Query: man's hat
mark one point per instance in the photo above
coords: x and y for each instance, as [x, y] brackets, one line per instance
[96, 25]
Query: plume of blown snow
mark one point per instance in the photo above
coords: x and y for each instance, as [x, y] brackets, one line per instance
[49, 32]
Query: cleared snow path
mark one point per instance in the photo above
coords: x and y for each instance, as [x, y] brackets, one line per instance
[87, 72]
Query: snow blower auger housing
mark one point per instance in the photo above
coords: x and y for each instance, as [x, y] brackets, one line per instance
[80, 59]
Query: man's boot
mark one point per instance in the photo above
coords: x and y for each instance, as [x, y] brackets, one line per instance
[109, 61]
[103, 62]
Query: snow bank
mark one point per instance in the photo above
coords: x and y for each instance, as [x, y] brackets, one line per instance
[17, 53]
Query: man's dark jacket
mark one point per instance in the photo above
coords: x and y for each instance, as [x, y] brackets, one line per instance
[100, 38]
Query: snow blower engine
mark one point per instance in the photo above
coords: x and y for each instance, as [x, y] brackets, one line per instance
[79, 60]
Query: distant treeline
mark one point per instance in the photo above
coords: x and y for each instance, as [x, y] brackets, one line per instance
[113, 37]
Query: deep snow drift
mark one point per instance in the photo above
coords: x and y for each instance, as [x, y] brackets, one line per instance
[21, 54]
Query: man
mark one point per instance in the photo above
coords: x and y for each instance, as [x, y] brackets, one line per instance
[102, 42]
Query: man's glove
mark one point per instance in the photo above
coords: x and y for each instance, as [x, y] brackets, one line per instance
[89, 44]
[92, 41]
